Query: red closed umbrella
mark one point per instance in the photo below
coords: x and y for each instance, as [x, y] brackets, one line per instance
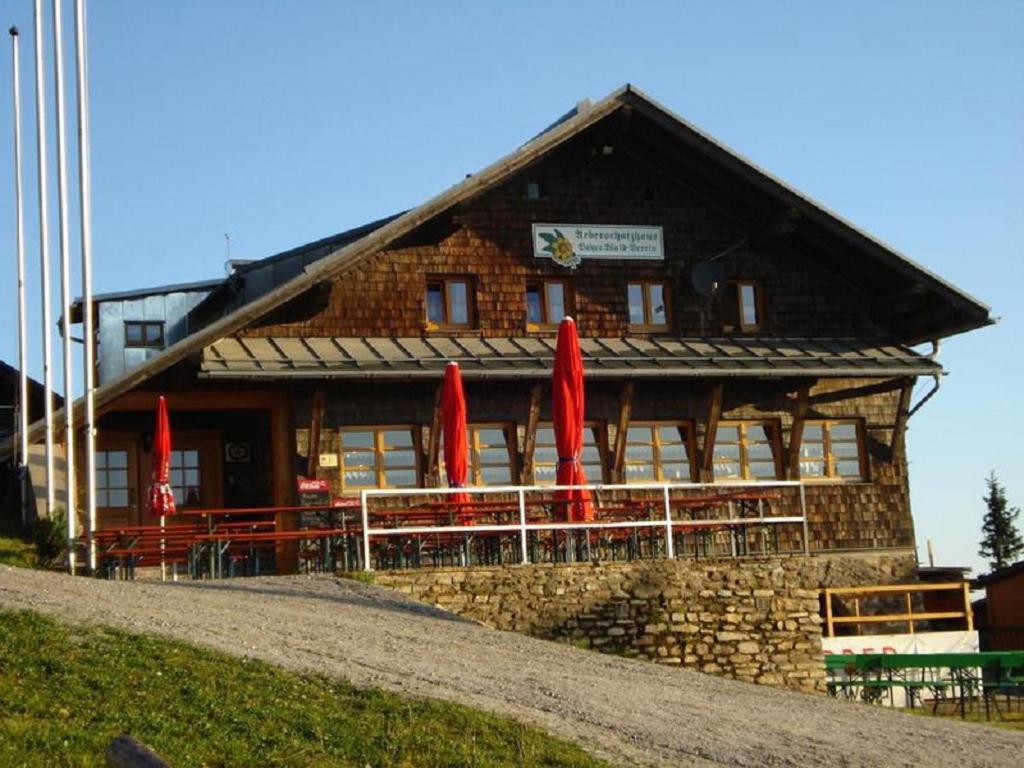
[453, 423]
[160, 500]
[567, 412]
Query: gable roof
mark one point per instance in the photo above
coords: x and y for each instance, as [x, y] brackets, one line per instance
[968, 313]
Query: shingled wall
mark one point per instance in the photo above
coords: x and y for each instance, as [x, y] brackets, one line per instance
[491, 240]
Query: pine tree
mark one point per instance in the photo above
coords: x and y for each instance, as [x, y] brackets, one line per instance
[1001, 541]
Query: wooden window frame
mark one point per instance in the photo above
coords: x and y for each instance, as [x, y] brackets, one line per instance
[600, 431]
[828, 457]
[654, 426]
[735, 288]
[742, 425]
[508, 428]
[446, 281]
[542, 283]
[143, 325]
[379, 449]
[666, 293]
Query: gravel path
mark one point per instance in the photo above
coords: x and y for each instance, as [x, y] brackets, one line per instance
[630, 712]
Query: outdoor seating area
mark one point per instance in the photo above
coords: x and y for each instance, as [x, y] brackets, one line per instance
[992, 682]
[480, 526]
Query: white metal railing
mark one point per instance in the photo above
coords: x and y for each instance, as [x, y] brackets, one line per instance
[666, 521]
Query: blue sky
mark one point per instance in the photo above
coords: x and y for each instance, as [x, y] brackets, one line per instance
[284, 122]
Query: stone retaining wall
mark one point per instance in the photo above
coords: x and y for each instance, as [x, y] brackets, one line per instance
[754, 620]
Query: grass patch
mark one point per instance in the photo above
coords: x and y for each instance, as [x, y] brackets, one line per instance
[1013, 721]
[65, 693]
[17, 552]
[363, 577]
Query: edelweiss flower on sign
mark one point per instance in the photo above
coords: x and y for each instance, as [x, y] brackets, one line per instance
[560, 248]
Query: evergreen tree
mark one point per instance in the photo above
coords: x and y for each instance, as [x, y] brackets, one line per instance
[1001, 541]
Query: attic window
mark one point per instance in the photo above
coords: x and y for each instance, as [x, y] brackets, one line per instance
[534, 190]
[743, 303]
[449, 302]
[144, 334]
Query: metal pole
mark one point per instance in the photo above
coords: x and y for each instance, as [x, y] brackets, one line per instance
[803, 514]
[85, 201]
[670, 548]
[44, 250]
[19, 240]
[366, 535]
[523, 551]
[65, 284]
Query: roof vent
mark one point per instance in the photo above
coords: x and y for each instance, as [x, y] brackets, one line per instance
[583, 106]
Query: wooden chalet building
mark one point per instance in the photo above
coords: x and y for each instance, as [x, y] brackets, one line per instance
[732, 330]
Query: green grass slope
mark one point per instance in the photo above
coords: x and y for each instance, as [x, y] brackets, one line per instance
[66, 692]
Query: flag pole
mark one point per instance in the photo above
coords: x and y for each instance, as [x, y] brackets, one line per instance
[44, 250]
[85, 221]
[19, 241]
[65, 284]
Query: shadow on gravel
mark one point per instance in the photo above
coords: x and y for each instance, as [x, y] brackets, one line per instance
[351, 593]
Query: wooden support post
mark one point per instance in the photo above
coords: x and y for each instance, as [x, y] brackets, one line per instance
[707, 451]
[910, 612]
[434, 444]
[622, 427]
[828, 613]
[530, 438]
[902, 414]
[282, 449]
[796, 433]
[316, 420]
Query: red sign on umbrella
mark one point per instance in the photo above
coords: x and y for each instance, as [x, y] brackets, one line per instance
[160, 500]
[453, 422]
[567, 412]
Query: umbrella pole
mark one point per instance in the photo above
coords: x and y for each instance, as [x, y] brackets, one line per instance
[163, 542]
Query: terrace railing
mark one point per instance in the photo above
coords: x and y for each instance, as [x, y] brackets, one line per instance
[526, 524]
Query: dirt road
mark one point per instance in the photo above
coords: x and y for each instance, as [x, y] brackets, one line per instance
[630, 712]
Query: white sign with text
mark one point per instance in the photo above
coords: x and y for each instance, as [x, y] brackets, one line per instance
[569, 244]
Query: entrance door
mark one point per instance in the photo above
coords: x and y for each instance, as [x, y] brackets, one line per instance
[117, 484]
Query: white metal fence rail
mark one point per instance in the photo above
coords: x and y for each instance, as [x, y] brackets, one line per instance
[523, 527]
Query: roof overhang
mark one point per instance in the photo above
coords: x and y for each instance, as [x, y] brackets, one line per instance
[533, 357]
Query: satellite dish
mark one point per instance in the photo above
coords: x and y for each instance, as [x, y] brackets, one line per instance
[707, 277]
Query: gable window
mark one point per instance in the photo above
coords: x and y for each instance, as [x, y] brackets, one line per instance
[138, 333]
[658, 451]
[547, 302]
[648, 304]
[744, 306]
[746, 450]
[545, 454]
[449, 302]
[832, 450]
[378, 457]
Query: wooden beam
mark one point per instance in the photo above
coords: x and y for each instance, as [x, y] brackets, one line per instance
[851, 393]
[316, 420]
[707, 451]
[530, 438]
[622, 427]
[796, 433]
[902, 415]
[434, 443]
